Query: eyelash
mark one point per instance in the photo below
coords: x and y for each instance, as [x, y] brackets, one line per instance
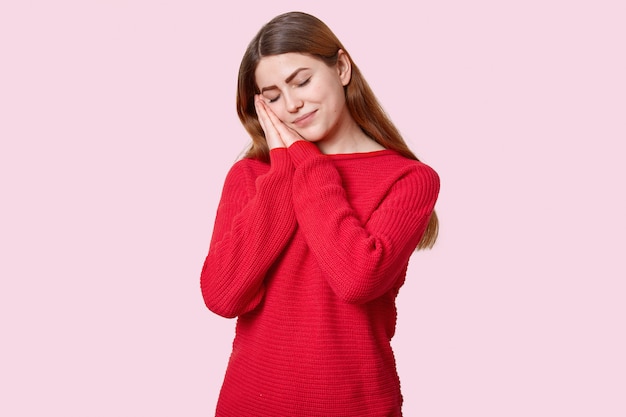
[302, 84]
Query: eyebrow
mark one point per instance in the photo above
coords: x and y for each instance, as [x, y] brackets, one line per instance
[287, 80]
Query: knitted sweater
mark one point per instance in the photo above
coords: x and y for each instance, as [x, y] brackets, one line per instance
[309, 253]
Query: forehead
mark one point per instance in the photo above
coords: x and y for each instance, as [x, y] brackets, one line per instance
[276, 68]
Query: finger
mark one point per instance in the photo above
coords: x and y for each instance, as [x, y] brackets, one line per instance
[287, 134]
[261, 117]
[272, 136]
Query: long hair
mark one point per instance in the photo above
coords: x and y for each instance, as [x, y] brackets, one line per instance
[303, 33]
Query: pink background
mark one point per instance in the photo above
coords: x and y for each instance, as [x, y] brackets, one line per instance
[118, 125]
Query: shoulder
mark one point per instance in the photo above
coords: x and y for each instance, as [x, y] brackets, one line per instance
[411, 168]
[241, 178]
[425, 172]
[422, 175]
[413, 179]
[247, 169]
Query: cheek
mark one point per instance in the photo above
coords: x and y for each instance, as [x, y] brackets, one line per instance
[339, 101]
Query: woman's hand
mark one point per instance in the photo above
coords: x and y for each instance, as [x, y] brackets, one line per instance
[277, 134]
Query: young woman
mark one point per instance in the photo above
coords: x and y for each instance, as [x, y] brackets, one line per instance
[313, 233]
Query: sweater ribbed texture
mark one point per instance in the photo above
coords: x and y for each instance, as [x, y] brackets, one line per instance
[309, 252]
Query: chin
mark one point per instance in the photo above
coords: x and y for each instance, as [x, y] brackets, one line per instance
[312, 140]
[310, 136]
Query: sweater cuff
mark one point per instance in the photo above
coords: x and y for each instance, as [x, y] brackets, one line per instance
[301, 150]
[279, 160]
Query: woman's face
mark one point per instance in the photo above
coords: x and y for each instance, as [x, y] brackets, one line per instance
[306, 94]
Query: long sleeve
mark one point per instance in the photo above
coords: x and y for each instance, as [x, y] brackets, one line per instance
[361, 258]
[254, 222]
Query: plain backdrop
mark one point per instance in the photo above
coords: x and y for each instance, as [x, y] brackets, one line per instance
[118, 125]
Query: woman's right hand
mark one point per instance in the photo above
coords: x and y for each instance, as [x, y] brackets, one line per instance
[277, 134]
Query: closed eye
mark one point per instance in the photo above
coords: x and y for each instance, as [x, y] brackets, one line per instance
[302, 84]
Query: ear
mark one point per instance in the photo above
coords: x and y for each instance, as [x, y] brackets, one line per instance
[344, 68]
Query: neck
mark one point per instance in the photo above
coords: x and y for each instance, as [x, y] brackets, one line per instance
[348, 138]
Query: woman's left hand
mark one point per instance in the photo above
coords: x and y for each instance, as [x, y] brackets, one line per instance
[277, 133]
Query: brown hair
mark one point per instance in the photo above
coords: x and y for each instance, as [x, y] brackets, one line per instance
[302, 33]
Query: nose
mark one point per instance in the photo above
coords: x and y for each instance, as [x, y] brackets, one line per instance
[292, 102]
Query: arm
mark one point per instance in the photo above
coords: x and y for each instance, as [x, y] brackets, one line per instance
[361, 261]
[254, 222]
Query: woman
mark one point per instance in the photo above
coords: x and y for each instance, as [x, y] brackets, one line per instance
[313, 233]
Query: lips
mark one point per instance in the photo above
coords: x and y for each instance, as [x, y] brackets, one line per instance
[304, 119]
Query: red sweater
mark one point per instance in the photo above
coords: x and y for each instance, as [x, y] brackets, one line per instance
[309, 253]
